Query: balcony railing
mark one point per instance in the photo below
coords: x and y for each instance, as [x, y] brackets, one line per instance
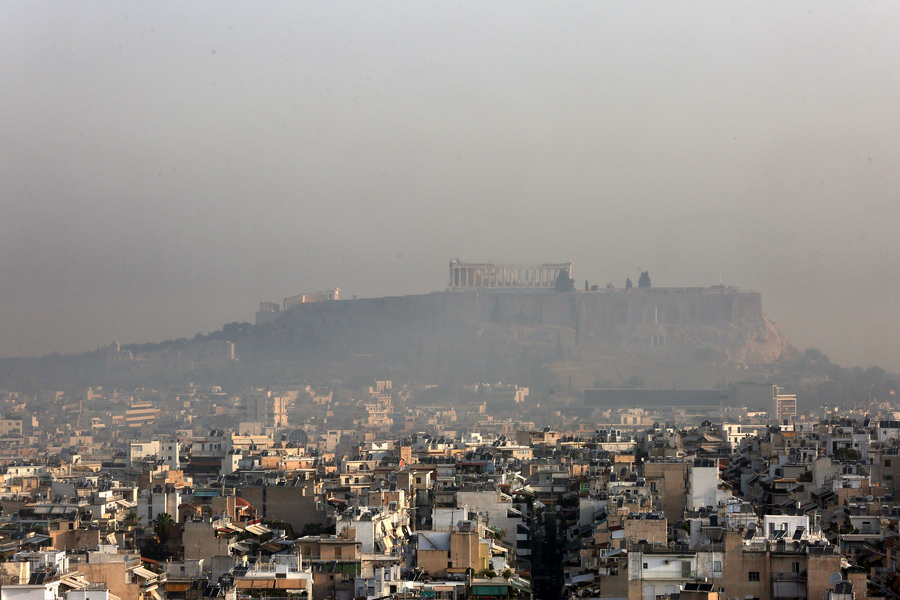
[675, 548]
[789, 576]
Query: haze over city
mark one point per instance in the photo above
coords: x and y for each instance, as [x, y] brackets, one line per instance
[167, 166]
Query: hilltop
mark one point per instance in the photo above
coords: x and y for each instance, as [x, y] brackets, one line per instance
[667, 337]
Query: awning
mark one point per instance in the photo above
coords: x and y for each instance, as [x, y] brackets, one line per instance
[144, 573]
[154, 595]
[257, 529]
[37, 539]
[520, 584]
[489, 590]
[254, 584]
[75, 582]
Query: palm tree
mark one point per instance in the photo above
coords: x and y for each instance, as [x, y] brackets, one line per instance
[162, 526]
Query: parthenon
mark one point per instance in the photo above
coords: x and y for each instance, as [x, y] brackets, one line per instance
[493, 275]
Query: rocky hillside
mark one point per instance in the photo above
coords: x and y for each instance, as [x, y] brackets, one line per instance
[444, 338]
[678, 339]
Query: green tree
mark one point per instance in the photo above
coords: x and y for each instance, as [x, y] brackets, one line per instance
[564, 283]
[155, 550]
[628, 284]
[162, 526]
[635, 382]
[131, 520]
[847, 455]
[644, 280]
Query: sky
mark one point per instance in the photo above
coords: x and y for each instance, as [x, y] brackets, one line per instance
[164, 167]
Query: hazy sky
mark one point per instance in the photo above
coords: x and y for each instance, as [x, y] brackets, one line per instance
[164, 166]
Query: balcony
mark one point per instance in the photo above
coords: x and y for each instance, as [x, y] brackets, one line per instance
[791, 576]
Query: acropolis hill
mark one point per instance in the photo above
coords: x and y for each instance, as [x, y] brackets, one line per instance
[504, 321]
[494, 322]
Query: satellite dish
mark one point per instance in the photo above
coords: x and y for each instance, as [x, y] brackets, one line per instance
[834, 579]
[869, 498]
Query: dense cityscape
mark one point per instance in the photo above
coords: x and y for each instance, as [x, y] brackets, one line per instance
[507, 300]
[397, 488]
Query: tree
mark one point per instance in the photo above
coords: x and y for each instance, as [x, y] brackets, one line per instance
[847, 454]
[131, 520]
[628, 284]
[564, 283]
[635, 382]
[155, 550]
[162, 526]
[644, 280]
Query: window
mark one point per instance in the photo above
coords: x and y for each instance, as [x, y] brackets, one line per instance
[753, 576]
[795, 567]
[887, 462]
[645, 565]
[717, 566]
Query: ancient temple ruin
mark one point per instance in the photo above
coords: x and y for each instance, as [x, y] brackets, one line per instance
[465, 275]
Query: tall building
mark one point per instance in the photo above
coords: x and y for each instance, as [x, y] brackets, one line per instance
[765, 396]
[267, 407]
[785, 406]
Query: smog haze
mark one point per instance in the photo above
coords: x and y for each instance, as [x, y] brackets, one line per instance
[167, 166]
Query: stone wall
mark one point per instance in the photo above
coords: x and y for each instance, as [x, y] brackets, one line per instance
[587, 311]
[510, 333]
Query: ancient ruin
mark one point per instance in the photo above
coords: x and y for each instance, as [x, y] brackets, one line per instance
[465, 275]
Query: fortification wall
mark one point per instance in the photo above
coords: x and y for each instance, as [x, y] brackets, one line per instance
[586, 312]
[514, 334]
[604, 310]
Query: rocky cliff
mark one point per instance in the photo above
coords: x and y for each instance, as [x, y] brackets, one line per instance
[674, 338]
[669, 337]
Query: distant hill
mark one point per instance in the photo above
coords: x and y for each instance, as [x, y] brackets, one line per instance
[672, 337]
[665, 336]
[654, 338]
